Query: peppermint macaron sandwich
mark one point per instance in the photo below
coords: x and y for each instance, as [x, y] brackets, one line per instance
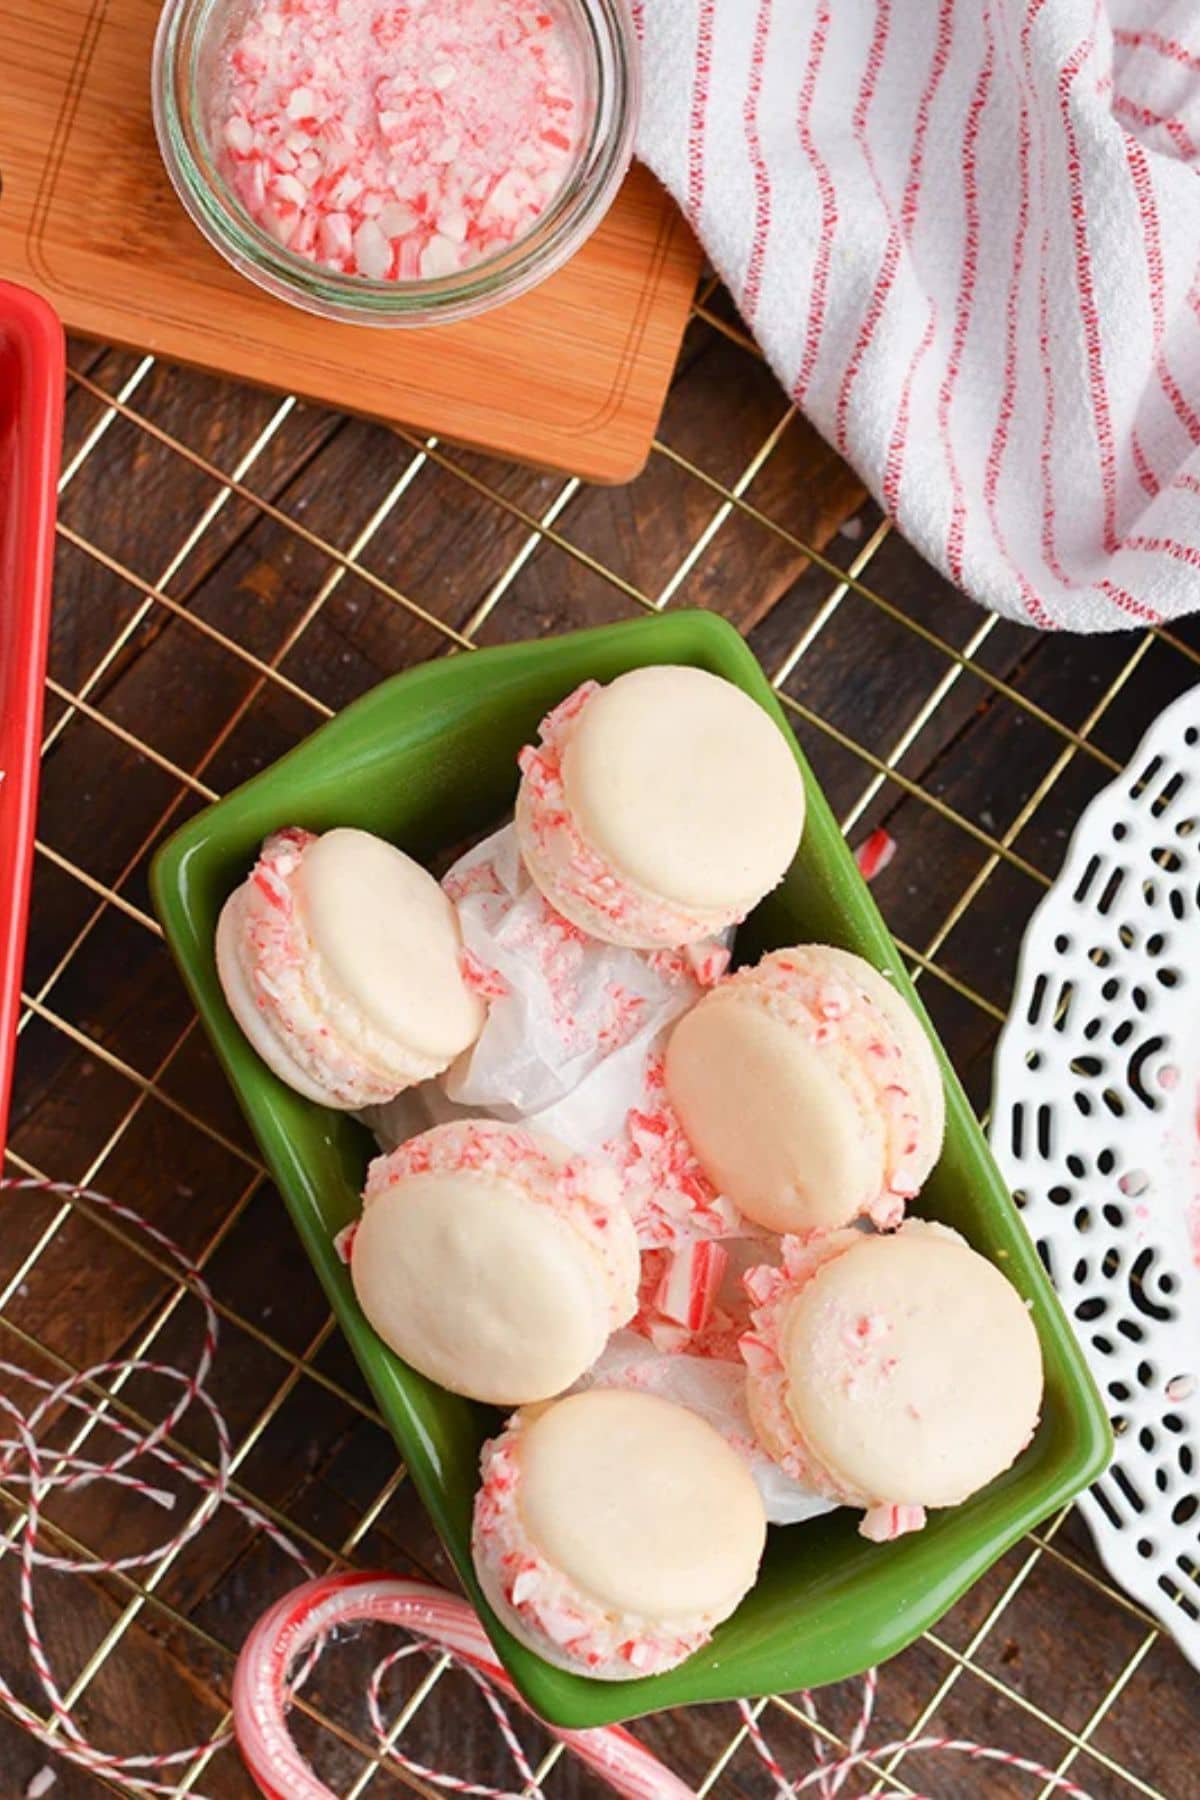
[614, 1531]
[891, 1372]
[808, 1091]
[493, 1261]
[340, 960]
[660, 809]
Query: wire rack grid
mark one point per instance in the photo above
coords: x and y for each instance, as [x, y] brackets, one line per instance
[969, 666]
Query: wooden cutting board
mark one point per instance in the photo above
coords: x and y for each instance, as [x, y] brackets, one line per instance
[571, 376]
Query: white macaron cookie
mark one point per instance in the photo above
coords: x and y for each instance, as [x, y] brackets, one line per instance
[614, 1531]
[494, 1261]
[894, 1372]
[340, 958]
[809, 1091]
[660, 809]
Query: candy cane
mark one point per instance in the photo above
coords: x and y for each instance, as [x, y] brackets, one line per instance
[261, 1687]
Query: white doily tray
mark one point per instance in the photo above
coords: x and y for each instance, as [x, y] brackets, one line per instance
[1095, 1126]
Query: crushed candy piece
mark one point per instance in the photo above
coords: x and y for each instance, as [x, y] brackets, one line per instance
[884, 1523]
[874, 854]
[398, 143]
[688, 1289]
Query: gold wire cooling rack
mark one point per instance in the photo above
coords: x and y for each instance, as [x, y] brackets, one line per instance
[1046, 1656]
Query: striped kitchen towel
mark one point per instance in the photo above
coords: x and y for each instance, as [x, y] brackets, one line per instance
[966, 234]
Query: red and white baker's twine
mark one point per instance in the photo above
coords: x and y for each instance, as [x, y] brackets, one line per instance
[829, 1777]
[43, 1471]
[284, 1645]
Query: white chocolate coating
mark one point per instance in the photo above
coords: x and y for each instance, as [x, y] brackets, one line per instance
[479, 1289]
[614, 1531]
[493, 1262]
[686, 786]
[773, 1126]
[808, 1091]
[659, 810]
[340, 960]
[389, 942]
[641, 1504]
[896, 1370]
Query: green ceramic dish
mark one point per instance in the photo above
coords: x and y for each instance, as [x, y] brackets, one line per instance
[427, 760]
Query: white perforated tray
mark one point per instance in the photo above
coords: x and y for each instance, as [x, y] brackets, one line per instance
[1094, 1122]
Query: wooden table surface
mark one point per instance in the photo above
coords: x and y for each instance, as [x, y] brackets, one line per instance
[231, 567]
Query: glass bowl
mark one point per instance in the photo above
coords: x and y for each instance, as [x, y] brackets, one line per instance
[428, 760]
[187, 58]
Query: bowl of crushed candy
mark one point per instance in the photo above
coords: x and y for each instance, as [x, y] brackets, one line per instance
[385, 164]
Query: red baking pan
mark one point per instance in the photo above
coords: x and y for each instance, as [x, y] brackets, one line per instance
[31, 395]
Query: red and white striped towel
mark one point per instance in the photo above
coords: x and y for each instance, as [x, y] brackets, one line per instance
[967, 236]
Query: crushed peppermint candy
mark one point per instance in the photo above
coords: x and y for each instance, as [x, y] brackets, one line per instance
[687, 1290]
[398, 140]
[883, 1524]
[665, 1188]
[875, 853]
[487, 982]
[566, 865]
